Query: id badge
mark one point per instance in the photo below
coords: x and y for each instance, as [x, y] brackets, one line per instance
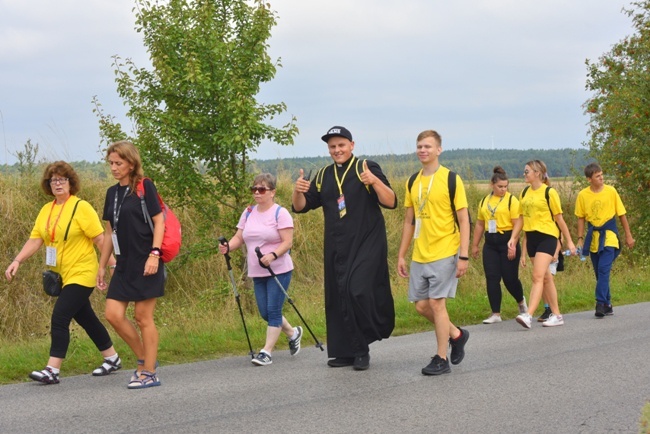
[418, 225]
[341, 203]
[116, 245]
[50, 256]
[492, 226]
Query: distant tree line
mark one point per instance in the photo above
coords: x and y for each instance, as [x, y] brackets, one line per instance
[471, 164]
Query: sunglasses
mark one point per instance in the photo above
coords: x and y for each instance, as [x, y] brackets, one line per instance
[260, 190]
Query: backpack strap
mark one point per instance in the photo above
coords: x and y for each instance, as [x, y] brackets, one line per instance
[319, 177]
[140, 191]
[249, 210]
[509, 201]
[65, 238]
[412, 180]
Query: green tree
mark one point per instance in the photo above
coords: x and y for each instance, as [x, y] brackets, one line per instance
[619, 124]
[195, 114]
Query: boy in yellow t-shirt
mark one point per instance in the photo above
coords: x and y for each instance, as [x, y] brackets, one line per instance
[598, 205]
[441, 248]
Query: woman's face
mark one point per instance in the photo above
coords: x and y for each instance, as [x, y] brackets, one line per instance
[529, 174]
[262, 194]
[60, 187]
[499, 188]
[120, 169]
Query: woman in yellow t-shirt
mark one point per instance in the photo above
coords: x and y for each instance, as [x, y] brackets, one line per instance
[543, 222]
[498, 215]
[74, 258]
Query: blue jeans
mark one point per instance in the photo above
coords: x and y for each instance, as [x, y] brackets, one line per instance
[270, 297]
[602, 263]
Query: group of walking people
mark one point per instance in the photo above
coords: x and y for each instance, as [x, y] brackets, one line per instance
[359, 305]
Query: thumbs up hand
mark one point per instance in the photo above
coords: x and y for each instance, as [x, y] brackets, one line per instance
[367, 177]
[302, 184]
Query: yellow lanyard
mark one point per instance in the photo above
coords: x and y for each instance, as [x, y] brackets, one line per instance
[336, 176]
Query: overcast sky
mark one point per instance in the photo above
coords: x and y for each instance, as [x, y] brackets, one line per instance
[483, 73]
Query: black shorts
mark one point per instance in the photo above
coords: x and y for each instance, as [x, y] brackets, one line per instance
[539, 242]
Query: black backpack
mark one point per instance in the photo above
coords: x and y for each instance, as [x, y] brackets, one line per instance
[451, 183]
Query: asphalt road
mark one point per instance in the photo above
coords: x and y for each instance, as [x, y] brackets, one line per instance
[589, 376]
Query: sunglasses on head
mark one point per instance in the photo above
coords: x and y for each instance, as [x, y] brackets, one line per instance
[260, 190]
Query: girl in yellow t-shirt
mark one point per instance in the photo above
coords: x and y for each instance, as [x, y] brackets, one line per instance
[543, 222]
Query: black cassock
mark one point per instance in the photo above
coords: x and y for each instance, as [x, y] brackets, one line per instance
[358, 300]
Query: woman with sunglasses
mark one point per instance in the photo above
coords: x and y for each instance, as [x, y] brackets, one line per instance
[270, 227]
[543, 223]
[69, 226]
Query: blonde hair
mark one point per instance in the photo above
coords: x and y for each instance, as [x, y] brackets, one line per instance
[539, 167]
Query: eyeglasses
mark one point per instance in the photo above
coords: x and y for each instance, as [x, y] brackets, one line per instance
[58, 181]
[260, 190]
[526, 172]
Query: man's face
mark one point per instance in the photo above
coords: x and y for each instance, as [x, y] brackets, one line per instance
[340, 149]
[428, 150]
[597, 180]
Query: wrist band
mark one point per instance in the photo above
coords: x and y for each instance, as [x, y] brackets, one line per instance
[463, 258]
[274, 255]
[16, 260]
[153, 255]
[156, 250]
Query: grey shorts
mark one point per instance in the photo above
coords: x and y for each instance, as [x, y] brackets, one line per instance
[433, 280]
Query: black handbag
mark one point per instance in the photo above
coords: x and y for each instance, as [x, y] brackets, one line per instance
[52, 281]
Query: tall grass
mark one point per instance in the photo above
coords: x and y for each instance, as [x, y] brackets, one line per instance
[198, 317]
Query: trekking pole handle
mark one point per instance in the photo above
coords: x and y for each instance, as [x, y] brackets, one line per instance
[259, 258]
[224, 242]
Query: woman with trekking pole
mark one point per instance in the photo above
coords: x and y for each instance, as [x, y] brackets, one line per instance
[268, 225]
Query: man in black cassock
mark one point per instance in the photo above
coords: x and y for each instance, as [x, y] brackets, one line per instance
[358, 301]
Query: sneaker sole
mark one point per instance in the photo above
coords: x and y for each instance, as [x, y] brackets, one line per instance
[258, 363]
[555, 324]
[430, 373]
[522, 322]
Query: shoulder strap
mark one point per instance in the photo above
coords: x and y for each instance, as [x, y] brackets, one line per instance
[65, 238]
[249, 210]
[482, 202]
[509, 201]
[319, 177]
[145, 212]
[523, 192]
[451, 183]
[412, 180]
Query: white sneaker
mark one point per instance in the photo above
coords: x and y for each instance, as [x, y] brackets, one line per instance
[524, 319]
[553, 320]
[494, 318]
[523, 307]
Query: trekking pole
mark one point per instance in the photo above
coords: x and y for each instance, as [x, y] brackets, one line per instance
[224, 242]
[268, 267]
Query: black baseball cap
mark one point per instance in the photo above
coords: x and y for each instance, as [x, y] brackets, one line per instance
[337, 131]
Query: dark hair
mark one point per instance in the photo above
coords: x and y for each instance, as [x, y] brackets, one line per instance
[64, 170]
[591, 169]
[499, 174]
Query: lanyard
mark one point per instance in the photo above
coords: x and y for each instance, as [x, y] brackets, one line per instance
[336, 175]
[116, 210]
[53, 233]
[493, 210]
[421, 201]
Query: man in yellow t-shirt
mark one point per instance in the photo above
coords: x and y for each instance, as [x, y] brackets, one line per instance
[441, 248]
[598, 205]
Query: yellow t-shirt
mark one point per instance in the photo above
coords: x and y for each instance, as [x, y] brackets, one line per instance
[76, 259]
[439, 236]
[598, 209]
[496, 208]
[537, 216]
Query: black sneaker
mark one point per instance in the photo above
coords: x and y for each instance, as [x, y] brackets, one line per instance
[458, 347]
[609, 309]
[294, 344]
[262, 359]
[600, 310]
[545, 315]
[340, 362]
[46, 376]
[437, 366]
[361, 363]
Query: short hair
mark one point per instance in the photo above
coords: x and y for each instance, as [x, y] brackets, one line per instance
[499, 174]
[64, 170]
[267, 179]
[591, 169]
[129, 153]
[539, 166]
[430, 133]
